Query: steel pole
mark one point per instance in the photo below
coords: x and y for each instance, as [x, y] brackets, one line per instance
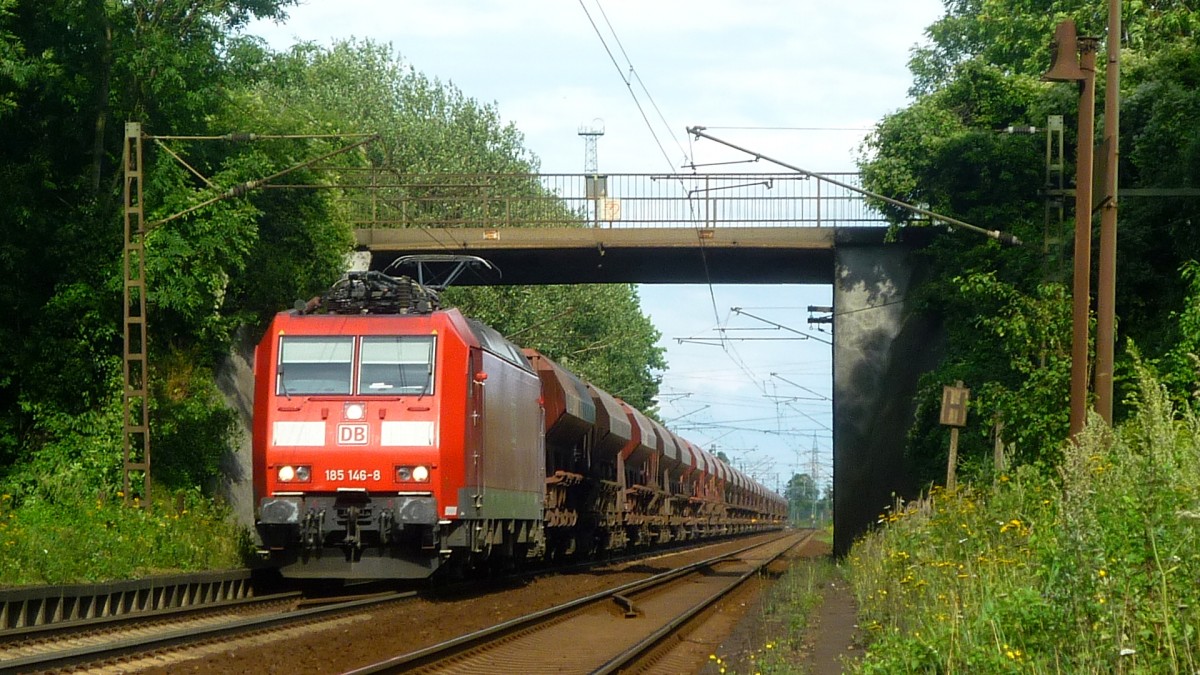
[1081, 292]
[1106, 291]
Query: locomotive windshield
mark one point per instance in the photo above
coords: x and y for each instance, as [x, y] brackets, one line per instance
[386, 365]
[396, 365]
[315, 365]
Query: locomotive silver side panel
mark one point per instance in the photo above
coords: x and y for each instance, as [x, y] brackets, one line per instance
[508, 471]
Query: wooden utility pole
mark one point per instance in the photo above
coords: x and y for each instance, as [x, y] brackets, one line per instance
[954, 415]
[998, 459]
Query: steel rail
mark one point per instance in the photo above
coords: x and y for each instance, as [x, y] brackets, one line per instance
[442, 650]
[631, 654]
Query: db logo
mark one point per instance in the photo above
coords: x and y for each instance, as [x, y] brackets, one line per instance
[352, 434]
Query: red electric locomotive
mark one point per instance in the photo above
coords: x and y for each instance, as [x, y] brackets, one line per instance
[369, 432]
[393, 438]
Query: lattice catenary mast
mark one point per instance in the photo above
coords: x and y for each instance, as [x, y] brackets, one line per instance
[590, 163]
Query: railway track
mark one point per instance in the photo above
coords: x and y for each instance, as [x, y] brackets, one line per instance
[601, 633]
[111, 641]
[165, 639]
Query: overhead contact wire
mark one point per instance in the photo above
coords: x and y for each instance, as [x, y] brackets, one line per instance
[621, 73]
[633, 72]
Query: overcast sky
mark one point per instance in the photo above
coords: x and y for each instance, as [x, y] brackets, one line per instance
[798, 80]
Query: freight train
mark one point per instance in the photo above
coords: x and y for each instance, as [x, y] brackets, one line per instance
[396, 439]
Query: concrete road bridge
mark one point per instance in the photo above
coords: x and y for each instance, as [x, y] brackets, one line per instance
[748, 228]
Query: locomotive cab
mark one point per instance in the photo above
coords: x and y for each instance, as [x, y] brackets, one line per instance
[348, 463]
[389, 443]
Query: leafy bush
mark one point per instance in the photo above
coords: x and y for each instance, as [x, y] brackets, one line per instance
[193, 426]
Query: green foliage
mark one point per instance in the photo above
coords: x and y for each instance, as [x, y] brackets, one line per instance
[1016, 33]
[802, 489]
[1016, 356]
[18, 71]
[424, 126]
[806, 506]
[89, 539]
[70, 453]
[948, 154]
[70, 70]
[1180, 367]
[1006, 309]
[1160, 147]
[71, 74]
[194, 427]
[1090, 571]
[1080, 561]
[73, 352]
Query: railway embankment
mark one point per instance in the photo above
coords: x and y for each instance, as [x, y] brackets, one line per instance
[1086, 566]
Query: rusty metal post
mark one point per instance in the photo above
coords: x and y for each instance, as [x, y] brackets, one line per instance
[1107, 282]
[1082, 282]
[1074, 60]
[135, 396]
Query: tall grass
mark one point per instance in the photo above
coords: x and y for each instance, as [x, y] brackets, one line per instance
[75, 541]
[1094, 569]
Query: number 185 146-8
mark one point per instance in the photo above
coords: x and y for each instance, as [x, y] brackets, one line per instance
[352, 474]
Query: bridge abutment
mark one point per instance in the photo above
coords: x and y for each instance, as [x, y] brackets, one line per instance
[882, 346]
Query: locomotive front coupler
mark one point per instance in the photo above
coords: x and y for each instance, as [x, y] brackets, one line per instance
[386, 523]
[312, 529]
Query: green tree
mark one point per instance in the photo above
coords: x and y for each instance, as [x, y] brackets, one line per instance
[1006, 317]
[69, 71]
[1015, 34]
[802, 495]
[427, 127]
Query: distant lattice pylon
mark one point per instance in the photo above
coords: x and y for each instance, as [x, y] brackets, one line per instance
[590, 134]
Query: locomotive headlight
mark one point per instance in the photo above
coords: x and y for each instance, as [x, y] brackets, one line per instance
[354, 411]
[294, 474]
[403, 474]
[420, 474]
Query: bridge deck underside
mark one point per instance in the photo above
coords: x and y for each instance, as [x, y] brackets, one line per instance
[774, 255]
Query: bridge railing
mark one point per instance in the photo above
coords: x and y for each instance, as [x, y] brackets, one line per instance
[609, 200]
